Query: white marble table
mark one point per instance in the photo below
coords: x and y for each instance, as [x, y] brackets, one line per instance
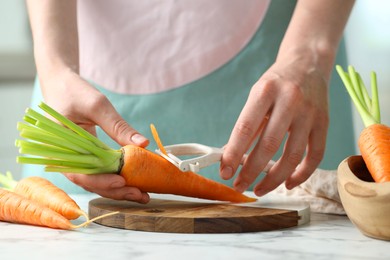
[324, 237]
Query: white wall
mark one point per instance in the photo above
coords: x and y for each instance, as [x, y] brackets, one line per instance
[368, 42]
[14, 99]
[14, 28]
[367, 35]
[16, 75]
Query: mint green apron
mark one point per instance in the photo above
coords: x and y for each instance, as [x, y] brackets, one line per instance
[205, 110]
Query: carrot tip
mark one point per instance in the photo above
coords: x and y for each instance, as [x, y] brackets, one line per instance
[86, 223]
[84, 214]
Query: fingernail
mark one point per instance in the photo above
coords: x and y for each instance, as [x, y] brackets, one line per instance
[133, 196]
[289, 186]
[241, 186]
[259, 192]
[138, 139]
[130, 196]
[117, 184]
[145, 198]
[227, 172]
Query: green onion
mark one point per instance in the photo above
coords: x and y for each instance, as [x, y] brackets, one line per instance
[64, 147]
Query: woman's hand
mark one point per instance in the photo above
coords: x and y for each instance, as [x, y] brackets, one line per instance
[54, 29]
[84, 105]
[108, 185]
[293, 98]
[290, 100]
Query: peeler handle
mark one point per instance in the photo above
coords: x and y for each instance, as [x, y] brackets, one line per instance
[207, 156]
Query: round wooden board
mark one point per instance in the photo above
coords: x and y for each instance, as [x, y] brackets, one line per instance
[176, 216]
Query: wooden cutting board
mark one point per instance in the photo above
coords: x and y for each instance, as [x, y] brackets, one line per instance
[182, 216]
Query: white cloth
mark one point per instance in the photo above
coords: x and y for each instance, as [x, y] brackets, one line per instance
[320, 191]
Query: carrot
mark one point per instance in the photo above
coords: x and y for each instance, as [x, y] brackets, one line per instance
[152, 173]
[374, 140]
[17, 209]
[43, 191]
[195, 183]
[69, 148]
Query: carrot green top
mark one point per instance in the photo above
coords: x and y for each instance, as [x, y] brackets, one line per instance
[7, 181]
[67, 148]
[367, 107]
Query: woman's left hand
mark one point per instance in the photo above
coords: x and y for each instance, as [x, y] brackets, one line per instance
[289, 101]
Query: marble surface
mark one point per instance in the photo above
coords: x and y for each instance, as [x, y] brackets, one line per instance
[323, 237]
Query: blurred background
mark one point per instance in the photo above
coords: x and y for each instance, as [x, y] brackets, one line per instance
[368, 47]
[17, 74]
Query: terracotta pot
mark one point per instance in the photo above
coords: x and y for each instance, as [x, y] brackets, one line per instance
[366, 203]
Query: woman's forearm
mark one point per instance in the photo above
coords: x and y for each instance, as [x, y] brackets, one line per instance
[316, 29]
[55, 37]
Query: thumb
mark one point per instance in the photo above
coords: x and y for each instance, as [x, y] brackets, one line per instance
[117, 128]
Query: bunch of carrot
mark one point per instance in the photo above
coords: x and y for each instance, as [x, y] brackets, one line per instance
[36, 201]
[67, 147]
[374, 140]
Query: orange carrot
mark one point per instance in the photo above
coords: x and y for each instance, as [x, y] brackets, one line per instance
[43, 191]
[374, 140]
[374, 145]
[69, 148]
[152, 173]
[17, 209]
[200, 187]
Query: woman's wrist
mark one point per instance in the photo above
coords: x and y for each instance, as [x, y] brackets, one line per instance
[56, 62]
[316, 55]
[314, 34]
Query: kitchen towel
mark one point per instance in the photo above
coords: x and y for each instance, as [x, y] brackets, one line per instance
[320, 191]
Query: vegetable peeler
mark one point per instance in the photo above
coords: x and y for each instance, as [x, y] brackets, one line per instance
[206, 155]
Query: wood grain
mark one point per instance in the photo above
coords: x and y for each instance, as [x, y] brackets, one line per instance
[365, 202]
[172, 216]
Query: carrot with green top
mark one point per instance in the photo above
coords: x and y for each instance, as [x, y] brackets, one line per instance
[43, 191]
[15, 208]
[374, 140]
[69, 148]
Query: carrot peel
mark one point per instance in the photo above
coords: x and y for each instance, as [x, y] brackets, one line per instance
[157, 139]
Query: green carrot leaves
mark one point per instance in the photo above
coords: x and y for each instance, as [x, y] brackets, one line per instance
[7, 181]
[367, 107]
[63, 148]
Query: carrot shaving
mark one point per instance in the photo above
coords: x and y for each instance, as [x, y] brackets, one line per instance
[157, 139]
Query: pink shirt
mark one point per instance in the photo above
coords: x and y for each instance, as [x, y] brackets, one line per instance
[143, 47]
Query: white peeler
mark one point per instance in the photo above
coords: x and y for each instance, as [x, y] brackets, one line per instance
[207, 155]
